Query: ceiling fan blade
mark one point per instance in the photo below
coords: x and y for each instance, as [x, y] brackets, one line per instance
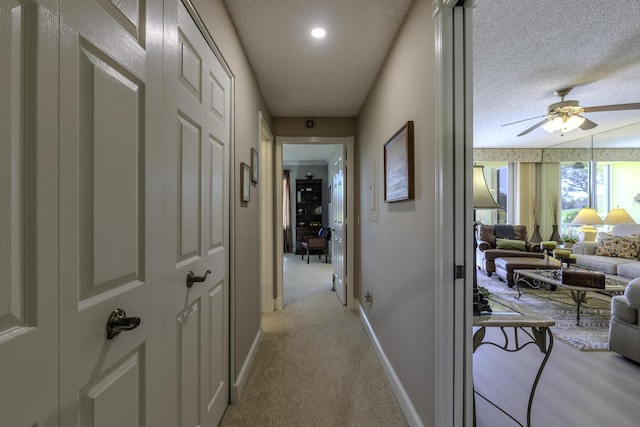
[614, 107]
[588, 124]
[537, 125]
[523, 120]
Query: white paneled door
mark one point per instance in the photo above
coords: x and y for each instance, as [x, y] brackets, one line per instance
[338, 238]
[28, 213]
[110, 245]
[199, 225]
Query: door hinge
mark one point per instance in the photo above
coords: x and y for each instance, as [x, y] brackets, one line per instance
[459, 272]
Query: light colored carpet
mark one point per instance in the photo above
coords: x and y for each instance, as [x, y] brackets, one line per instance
[316, 365]
[595, 313]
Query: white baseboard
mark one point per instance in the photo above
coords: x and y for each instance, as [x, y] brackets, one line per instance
[404, 401]
[240, 383]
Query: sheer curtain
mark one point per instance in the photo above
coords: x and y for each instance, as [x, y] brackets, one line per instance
[286, 212]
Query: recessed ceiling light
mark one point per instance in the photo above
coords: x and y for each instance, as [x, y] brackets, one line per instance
[318, 33]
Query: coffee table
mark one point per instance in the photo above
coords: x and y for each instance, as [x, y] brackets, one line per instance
[550, 279]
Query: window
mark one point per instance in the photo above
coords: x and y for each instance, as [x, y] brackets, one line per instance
[614, 185]
[497, 176]
[574, 193]
[502, 186]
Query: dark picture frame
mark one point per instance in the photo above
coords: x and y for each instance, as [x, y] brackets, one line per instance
[398, 165]
[255, 165]
[245, 182]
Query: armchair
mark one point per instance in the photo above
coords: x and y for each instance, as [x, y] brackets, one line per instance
[502, 241]
[320, 243]
[624, 329]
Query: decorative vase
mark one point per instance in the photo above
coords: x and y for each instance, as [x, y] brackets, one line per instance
[536, 237]
[555, 236]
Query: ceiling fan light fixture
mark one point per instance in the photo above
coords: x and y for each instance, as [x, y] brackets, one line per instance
[553, 125]
[564, 123]
[572, 122]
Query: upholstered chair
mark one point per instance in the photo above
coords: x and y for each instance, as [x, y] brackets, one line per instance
[624, 328]
[319, 244]
[501, 241]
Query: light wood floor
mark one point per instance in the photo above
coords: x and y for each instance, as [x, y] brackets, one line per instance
[577, 388]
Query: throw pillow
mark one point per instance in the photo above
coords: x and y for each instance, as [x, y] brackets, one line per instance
[619, 246]
[635, 240]
[504, 231]
[518, 245]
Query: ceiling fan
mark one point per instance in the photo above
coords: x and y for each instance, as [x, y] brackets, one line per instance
[565, 116]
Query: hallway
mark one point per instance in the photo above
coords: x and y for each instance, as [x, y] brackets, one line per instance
[316, 365]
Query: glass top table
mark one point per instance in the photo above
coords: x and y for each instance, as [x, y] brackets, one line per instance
[505, 313]
[526, 327]
[552, 279]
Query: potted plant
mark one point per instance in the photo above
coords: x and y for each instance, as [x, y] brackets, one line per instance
[569, 241]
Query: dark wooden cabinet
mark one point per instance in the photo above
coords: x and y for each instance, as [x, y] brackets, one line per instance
[308, 210]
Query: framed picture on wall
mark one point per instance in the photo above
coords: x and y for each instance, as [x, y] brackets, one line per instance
[398, 165]
[255, 165]
[245, 181]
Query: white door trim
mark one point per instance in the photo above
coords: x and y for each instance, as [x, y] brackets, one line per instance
[454, 141]
[267, 220]
[350, 221]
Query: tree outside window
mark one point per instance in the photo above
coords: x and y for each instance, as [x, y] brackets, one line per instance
[574, 193]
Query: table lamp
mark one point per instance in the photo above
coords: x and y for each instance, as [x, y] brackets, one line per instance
[618, 215]
[482, 199]
[587, 217]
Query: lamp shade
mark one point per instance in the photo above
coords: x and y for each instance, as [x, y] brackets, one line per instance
[482, 198]
[618, 216]
[587, 216]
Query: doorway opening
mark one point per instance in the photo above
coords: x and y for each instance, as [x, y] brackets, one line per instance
[316, 199]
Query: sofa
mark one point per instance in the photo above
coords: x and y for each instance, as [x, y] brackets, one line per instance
[503, 241]
[616, 253]
[624, 328]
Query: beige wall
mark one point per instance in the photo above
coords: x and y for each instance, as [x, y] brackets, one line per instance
[397, 261]
[248, 101]
[323, 126]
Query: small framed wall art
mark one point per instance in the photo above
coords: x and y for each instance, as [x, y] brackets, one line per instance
[398, 165]
[245, 181]
[255, 165]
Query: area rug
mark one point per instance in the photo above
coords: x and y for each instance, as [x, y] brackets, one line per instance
[593, 332]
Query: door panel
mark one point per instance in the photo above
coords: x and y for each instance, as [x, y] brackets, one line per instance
[338, 244]
[189, 362]
[201, 224]
[109, 250]
[189, 173]
[28, 213]
[98, 399]
[108, 171]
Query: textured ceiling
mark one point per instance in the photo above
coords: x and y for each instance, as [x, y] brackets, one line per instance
[523, 51]
[303, 76]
